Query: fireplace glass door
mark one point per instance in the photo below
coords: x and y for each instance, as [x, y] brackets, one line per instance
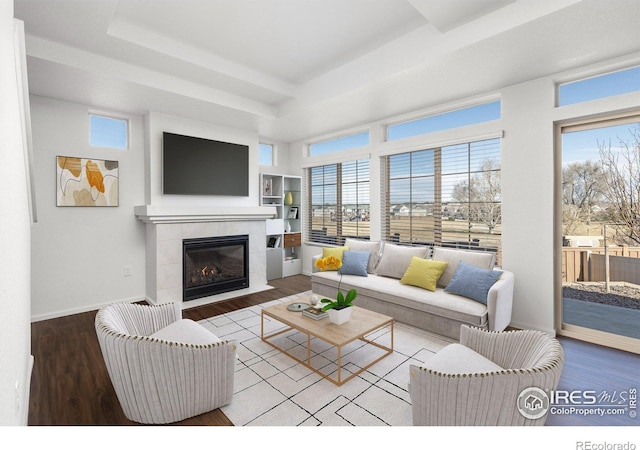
[214, 265]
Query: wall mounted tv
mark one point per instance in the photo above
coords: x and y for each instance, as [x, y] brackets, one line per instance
[197, 166]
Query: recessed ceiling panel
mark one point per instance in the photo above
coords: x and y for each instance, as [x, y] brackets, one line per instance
[292, 40]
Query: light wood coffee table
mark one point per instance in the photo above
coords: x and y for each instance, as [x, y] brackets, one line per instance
[362, 323]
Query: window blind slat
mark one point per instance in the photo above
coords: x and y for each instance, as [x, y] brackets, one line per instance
[338, 202]
[447, 196]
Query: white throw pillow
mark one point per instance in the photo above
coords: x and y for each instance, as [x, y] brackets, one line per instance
[186, 331]
[396, 258]
[459, 359]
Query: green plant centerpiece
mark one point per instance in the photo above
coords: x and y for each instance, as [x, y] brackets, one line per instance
[341, 301]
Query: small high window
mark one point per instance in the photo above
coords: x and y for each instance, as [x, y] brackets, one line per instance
[453, 119]
[343, 143]
[106, 131]
[607, 85]
[266, 154]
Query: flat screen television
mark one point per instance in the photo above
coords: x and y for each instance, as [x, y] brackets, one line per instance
[197, 166]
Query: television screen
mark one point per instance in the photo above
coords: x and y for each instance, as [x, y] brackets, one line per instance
[197, 166]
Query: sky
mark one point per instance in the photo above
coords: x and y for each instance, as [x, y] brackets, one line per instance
[108, 132]
[583, 145]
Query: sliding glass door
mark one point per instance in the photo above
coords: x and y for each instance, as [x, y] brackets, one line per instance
[600, 211]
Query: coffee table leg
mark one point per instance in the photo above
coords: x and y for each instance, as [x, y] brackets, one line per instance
[339, 365]
[309, 349]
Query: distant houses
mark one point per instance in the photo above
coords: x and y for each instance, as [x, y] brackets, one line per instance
[361, 212]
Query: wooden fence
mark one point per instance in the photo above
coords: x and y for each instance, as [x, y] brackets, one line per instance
[587, 264]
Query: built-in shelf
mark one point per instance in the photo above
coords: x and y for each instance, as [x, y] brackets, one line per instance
[284, 231]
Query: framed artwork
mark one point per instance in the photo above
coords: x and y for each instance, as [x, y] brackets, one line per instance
[293, 212]
[86, 182]
[268, 186]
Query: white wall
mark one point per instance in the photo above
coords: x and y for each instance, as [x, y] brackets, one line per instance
[15, 336]
[528, 201]
[79, 253]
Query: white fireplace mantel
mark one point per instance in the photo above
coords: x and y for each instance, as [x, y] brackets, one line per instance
[183, 214]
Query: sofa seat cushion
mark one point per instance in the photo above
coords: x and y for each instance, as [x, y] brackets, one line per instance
[459, 359]
[186, 331]
[390, 290]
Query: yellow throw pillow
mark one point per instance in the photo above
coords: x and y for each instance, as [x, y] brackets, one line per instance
[424, 273]
[337, 252]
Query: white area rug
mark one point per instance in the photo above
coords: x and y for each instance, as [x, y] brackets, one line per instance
[273, 389]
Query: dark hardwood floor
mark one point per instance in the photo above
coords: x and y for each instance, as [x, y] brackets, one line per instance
[70, 384]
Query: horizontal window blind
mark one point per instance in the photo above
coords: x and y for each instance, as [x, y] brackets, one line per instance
[446, 196]
[338, 202]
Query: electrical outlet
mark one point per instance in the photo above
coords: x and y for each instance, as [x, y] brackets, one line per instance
[127, 271]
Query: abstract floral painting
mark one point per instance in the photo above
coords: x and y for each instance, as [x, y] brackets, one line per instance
[86, 182]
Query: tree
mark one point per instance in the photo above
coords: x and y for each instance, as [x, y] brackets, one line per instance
[480, 196]
[583, 189]
[621, 166]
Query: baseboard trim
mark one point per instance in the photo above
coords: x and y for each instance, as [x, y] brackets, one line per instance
[83, 309]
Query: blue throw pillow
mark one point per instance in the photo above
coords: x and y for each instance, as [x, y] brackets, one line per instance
[355, 263]
[472, 282]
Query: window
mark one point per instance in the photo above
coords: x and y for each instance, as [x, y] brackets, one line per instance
[447, 196]
[111, 132]
[339, 202]
[615, 83]
[453, 119]
[266, 154]
[335, 145]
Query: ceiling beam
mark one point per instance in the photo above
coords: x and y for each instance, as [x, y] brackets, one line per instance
[103, 66]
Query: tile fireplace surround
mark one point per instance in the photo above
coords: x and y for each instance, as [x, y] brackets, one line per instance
[166, 227]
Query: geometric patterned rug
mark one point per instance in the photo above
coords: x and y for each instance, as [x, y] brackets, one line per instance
[272, 389]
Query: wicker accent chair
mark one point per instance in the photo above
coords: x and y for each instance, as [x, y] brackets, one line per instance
[164, 368]
[480, 380]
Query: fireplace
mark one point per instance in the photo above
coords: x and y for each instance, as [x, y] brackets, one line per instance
[214, 265]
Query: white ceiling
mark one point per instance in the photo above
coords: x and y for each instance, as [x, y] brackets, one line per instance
[292, 69]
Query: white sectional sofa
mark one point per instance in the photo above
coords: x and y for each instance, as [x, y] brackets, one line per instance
[384, 284]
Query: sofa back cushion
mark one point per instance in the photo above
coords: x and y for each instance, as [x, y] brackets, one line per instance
[359, 245]
[483, 260]
[395, 259]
